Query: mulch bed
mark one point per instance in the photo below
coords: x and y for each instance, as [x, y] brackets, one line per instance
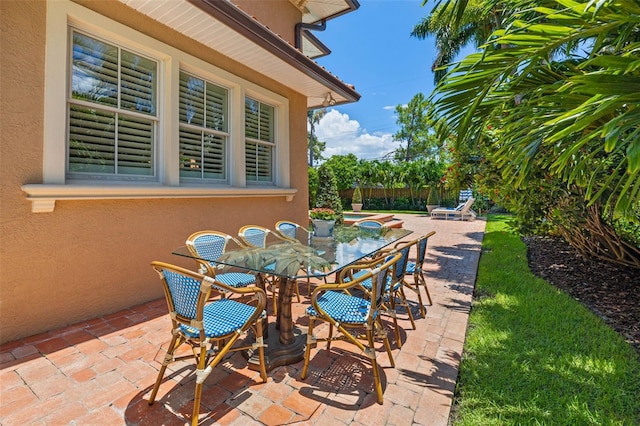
[611, 292]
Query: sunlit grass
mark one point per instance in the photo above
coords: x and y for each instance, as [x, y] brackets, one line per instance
[535, 356]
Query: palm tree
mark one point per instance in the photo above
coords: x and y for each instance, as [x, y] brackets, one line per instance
[456, 24]
[573, 117]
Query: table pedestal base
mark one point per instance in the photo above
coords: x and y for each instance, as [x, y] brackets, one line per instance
[276, 353]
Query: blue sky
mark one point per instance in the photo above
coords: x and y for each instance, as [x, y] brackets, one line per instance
[372, 49]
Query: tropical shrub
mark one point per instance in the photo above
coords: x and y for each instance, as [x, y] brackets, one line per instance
[550, 106]
[313, 186]
[356, 198]
[327, 196]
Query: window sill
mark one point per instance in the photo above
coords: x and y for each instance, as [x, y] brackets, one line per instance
[44, 196]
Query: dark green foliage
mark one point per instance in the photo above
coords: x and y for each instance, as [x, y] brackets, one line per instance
[434, 197]
[357, 196]
[416, 130]
[327, 196]
[313, 186]
[345, 170]
[545, 118]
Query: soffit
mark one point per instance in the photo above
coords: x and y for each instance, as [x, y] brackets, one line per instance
[311, 46]
[225, 28]
[317, 10]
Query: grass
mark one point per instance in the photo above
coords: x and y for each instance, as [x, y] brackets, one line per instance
[534, 356]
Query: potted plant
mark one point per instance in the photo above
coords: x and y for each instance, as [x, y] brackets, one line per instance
[356, 199]
[433, 199]
[323, 219]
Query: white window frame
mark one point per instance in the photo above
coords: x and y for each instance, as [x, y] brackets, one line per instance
[224, 134]
[118, 110]
[55, 186]
[273, 144]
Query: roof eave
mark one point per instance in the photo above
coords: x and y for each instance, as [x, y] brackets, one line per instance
[352, 5]
[260, 35]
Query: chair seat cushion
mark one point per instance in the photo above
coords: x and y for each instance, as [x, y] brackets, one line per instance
[411, 267]
[221, 317]
[342, 307]
[236, 279]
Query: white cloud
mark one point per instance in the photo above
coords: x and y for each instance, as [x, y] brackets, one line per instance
[345, 136]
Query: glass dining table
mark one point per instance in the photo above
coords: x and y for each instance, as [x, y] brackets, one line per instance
[292, 260]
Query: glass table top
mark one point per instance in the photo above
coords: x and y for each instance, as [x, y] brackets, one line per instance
[312, 257]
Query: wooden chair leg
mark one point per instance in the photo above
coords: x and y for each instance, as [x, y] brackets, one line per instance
[307, 351]
[168, 358]
[385, 340]
[426, 289]
[405, 303]
[392, 311]
[330, 336]
[416, 288]
[202, 362]
[297, 291]
[260, 342]
[374, 365]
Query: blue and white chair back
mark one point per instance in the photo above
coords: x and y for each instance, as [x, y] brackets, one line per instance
[343, 311]
[184, 292]
[291, 230]
[208, 246]
[379, 279]
[210, 327]
[415, 269]
[422, 252]
[254, 235]
[401, 267]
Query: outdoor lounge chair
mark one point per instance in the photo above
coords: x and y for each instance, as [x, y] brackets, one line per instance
[210, 328]
[462, 212]
[333, 304]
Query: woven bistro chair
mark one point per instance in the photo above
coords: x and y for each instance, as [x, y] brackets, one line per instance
[332, 303]
[257, 236]
[292, 230]
[295, 232]
[415, 269]
[210, 327]
[211, 245]
[394, 294]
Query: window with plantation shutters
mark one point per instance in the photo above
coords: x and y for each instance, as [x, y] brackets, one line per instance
[259, 140]
[203, 129]
[112, 112]
[128, 116]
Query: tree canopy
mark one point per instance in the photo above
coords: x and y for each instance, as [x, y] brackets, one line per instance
[551, 103]
[416, 130]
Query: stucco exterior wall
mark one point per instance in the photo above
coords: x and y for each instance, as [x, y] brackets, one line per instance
[281, 22]
[90, 258]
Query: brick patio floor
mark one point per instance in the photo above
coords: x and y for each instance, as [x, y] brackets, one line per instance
[100, 372]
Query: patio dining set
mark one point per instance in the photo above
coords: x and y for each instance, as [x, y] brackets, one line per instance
[360, 275]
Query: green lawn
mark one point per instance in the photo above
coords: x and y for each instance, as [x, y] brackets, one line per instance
[535, 356]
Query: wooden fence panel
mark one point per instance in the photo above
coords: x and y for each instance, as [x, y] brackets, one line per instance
[395, 193]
